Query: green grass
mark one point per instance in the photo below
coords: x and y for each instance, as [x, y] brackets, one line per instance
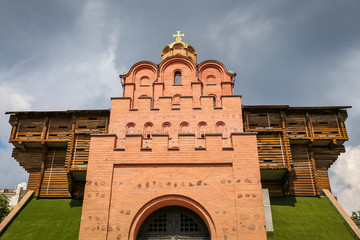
[293, 217]
[46, 219]
[307, 218]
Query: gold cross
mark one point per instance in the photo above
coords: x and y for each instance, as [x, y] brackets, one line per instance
[178, 36]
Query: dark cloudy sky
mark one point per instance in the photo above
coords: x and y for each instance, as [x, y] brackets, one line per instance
[59, 55]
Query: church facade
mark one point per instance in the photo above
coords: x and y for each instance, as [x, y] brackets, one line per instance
[178, 156]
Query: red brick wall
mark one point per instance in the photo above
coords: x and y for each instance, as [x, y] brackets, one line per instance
[224, 184]
[204, 161]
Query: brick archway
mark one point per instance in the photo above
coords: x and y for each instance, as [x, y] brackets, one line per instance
[170, 200]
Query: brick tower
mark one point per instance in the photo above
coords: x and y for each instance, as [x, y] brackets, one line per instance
[176, 162]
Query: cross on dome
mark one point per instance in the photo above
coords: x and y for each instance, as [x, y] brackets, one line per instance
[178, 36]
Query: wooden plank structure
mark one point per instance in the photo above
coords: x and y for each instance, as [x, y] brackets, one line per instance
[296, 146]
[53, 147]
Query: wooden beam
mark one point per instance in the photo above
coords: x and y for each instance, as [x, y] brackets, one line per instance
[45, 127]
[42, 170]
[22, 147]
[286, 140]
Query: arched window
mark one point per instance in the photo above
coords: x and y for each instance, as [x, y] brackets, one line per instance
[176, 99]
[184, 127]
[166, 127]
[220, 127]
[130, 128]
[145, 80]
[177, 78]
[214, 99]
[210, 79]
[202, 129]
[148, 130]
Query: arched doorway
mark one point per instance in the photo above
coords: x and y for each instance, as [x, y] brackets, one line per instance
[173, 222]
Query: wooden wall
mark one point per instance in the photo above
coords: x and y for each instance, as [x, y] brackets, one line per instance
[49, 144]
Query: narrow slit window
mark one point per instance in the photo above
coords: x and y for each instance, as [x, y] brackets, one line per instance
[177, 78]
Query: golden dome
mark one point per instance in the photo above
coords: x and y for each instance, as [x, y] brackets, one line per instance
[179, 48]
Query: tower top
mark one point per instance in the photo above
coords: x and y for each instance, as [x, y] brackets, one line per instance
[178, 36]
[179, 48]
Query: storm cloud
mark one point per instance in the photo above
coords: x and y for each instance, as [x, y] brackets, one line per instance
[59, 55]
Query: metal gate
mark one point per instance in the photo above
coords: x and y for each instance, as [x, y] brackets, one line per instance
[172, 223]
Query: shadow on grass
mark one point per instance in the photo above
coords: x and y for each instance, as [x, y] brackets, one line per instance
[270, 234]
[76, 203]
[283, 201]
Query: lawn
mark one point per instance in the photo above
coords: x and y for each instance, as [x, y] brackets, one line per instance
[46, 219]
[293, 217]
[307, 218]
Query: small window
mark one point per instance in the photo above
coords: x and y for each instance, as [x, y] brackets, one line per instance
[130, 128]
[214, 99]
[177, 78]
[148, 130]
[202, 129]
[184, 127]
[220, 127]
[176, 99]
[166, 127]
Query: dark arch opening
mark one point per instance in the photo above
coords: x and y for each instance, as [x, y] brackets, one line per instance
[173, 222]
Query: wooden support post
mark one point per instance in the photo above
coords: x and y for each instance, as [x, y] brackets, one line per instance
[286, 141]
[71, 142]
[22, 146]
[309, 126]
[42, 170]
[13, 130]
[343, 131]
[45, 128]
[314, 171]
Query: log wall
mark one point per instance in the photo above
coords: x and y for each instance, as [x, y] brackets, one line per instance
[303, 141]
[49, 144]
